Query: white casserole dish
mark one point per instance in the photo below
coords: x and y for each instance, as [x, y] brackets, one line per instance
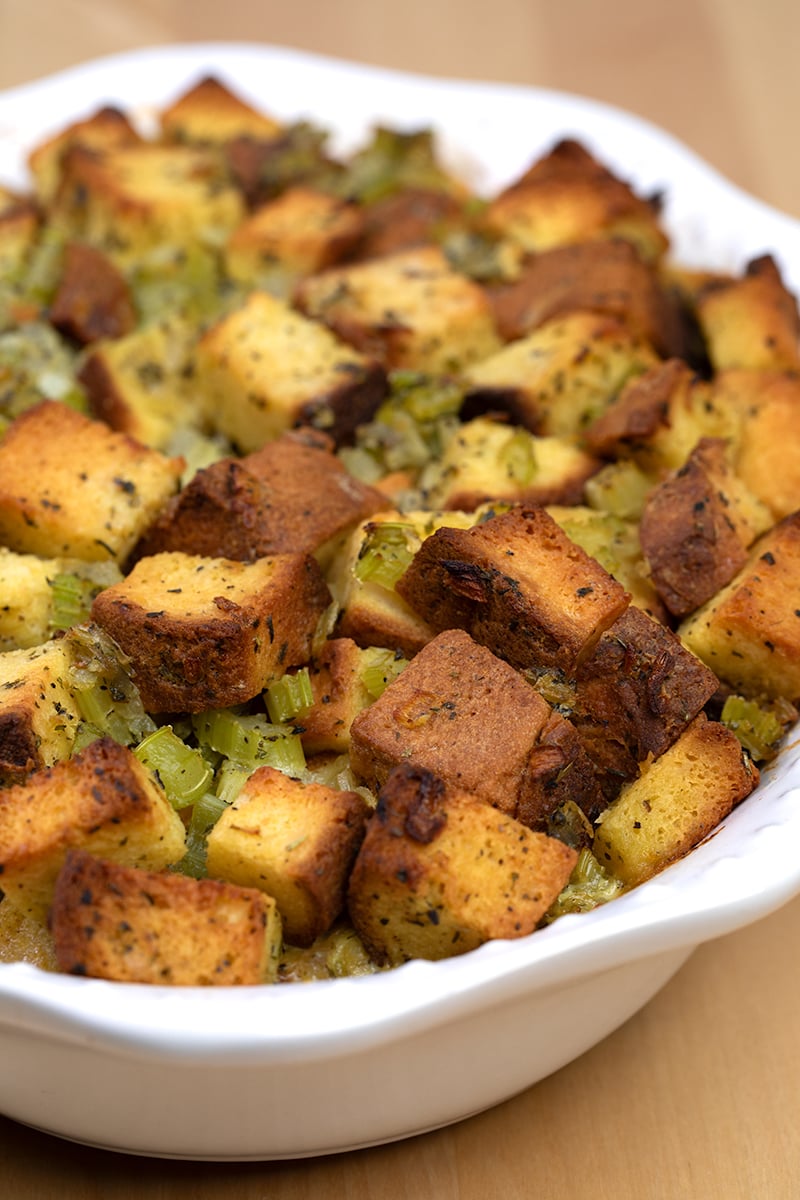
[277, 1072]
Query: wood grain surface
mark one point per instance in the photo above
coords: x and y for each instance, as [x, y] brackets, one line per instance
[698, 1096]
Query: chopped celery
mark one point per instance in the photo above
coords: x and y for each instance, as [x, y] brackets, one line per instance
[620, 488]
[104, 691]
[346, 954]
[183, 772]
[517, 458]
[36, 364]
[386, 553]
[589, 886]
[391, 161]
[758, 726]
[71, 600]
[205, 814]
[289, 696]
[251, 740]
[231, 778]
[380, 667]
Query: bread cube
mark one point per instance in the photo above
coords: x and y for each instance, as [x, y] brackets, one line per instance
[598, 276]
[749, 632]
[132, 199]
[440, 872]
[205, 633]
[568, 196]
[296, 841]
[408, 310]
[25, 585]
[19, 226]
[752, 321]
[337, 683]
[116, 922]
[696, 527]
[38, 714]
[557, 380]
[291, 495]
[459, 711]
[519, 585]
[635, 695]
[300, 232]
[408, 218]
[105, 129]
[142, 383]
[676, 802]
[92, 299]
[488, 460]
[103, 800]
[266, 368]
[70, 486]
[210, 112]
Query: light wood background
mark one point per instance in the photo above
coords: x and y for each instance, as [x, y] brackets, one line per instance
[698, 1096]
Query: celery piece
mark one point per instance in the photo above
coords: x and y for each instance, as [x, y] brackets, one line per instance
[589, 886]
[251, 741]
[620, 488]
[36, 364]
[205, 814]
[183, 772]
[393, 160]
[106, 695]
[289, 696]
[379, 668]
[346, 954]
[517, 458]
[71, 600]
[231, 778]
[386, 553]
[758, 726]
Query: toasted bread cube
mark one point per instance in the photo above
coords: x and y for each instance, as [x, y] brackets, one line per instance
[266, 368]
[70, 486]
[659, 417]
[599, 276]
[696, 527]
[291, 495]
[116, 922]
[103, 800]
[300, 232]
[19, 226]
[130, 200]
[440, 872]
[408, 310]
[459, 711]
[296, 841]
[557, 380]
[766, 447]
[27, 588]
[103, 130]
[488, 460]
[634, 696]
[752, 321]
[371, 611]
[211, 113]
[749, 632]
[38, 715]
[568, 196]
[676, 802]
[207, 633]
[408, 218]
[92, 300]
[519, 585]
[337, 684]
[142, 385]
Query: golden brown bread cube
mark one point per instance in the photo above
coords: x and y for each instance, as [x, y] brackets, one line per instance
[634, 696]
[337, 683]
[116, 922]
[408, 310]
[70, 486]
[92, 299]
[292, 495]
[211, 112]
[598, 276]
[696, 528]
[519, 585]
[558, 379]
[569, 196]
[265, 368]
[766, 446]
[131, 200]
[38, 715]
[487, 460]
[410, 217]
[459, 711]
[751, 321]
[102, 130]
[440, 872]
[142, 383]
[205, 633]
[300, 232]
[676, 802]
[103, 800]
[296, 841]
[749, 632]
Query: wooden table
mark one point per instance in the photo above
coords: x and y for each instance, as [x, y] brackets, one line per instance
[698, 1096]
